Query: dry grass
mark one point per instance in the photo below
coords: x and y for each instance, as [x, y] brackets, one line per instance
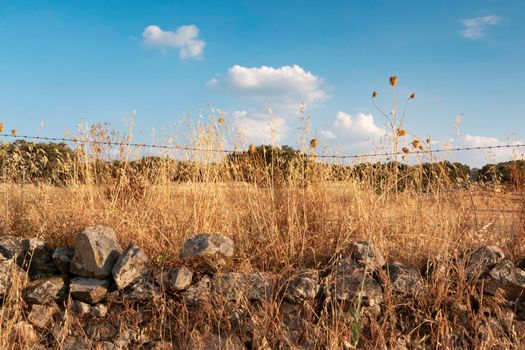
[277, 227]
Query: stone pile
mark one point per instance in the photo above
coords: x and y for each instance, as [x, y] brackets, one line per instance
[85, 279]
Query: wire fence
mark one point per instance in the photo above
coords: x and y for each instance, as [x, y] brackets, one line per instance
[229, 151]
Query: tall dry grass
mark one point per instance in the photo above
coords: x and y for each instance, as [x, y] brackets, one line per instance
[278, 224]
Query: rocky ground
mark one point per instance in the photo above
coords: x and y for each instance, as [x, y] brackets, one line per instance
[99, 295]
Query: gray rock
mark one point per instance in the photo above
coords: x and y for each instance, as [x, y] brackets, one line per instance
[62, 256]
[41, 315]
[100, 330]
[198, 294]
[505, 278]
[143, 289]
[88, 290]
[46, 290]
[367, 255]
[404, 279]
[302, 287]
[37, 258]
[175, 279]
[482, 260]
[99, 310]
[235, 286]
[80, 308]
[211, 251]
[10, 274]
[96, 251]
[10, 247]
[132, 264]
[351, 281]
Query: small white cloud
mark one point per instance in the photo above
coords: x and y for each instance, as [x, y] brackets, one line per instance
[212, 83]
[474, 28]
[185, 38]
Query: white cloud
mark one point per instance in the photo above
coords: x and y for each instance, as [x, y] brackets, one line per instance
[361, 126]
[185, 38]
[212, 83]
[328, 135]
[271, 97]
[284, 88]
[474, 28]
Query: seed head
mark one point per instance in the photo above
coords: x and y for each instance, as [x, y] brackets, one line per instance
[252, 149]
[1, 126]
[393, 80]
[421, 148]
[13, 132]
[401, 132]
[416, 143]
[412, 96]
[405, 150]
[374, 94]
[313, 143]
[220, 120]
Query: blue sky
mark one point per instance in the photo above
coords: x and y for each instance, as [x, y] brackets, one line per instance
[61, 62]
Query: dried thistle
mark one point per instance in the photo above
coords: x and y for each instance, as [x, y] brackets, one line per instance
[393, 80]
[401, 132]
[313, 143]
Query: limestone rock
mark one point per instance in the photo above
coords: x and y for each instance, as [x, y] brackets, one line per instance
[212, 251]
[99, 310]
[62, 256]
[100, 330]
[367, 255]
[235, 286]
[80, 308]
[507, 279]
[175, 279]
[37, 257]
[46, 290]
[41, 316]
[10, 274]
[10, 247]
[132, 264]
[404, 279]
[96, 251]
[482, 260]
[350, 280]
[143, 289]
[302, 287]
[88, 290]
[197, 294]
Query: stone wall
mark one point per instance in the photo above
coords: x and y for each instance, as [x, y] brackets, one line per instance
[99, 283]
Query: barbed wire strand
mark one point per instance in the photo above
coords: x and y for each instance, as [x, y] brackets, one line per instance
[194, 149]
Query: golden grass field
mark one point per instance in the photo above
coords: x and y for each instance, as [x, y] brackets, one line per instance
[278, 227]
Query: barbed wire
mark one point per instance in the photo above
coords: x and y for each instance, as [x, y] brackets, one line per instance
[195, 149]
